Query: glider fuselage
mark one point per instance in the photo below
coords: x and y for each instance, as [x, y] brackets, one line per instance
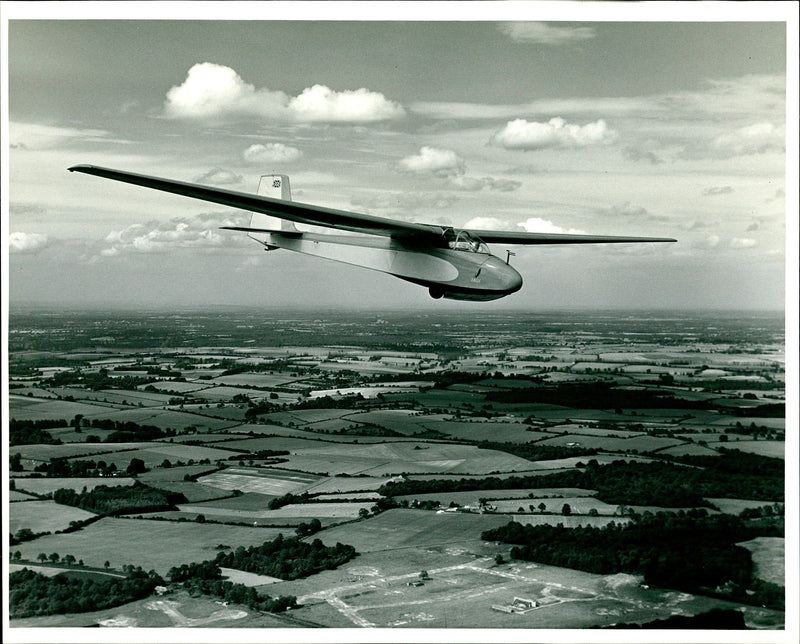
[447, 272]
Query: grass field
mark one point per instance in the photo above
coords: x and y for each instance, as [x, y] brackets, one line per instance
[769, 557]
[177, 609]
[735, 506]
[23, 408]
[41, 516]
[411, 528]
[46, 486]
[43, 453]
[153, 545]
[775, 449]
[577, 504]
[311, 510]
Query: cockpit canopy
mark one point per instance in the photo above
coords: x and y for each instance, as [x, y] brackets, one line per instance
[464, 241]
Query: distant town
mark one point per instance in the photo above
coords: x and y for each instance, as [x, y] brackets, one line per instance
[294, 469]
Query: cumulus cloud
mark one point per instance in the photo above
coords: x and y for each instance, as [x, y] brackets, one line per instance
[489, 223]
[752, 227]
[321, 103]
[753, 139]
[26, 242]
[521, 134]
[717, 190]
[219, 177]
[215, 91]
[538, 225]
[271, 153]
[544, 33]
[198, 233]
[743, 242]
[433, 161]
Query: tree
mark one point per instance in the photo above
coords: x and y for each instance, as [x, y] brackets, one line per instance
[17, 555]
[542, 507]
[136, 466]
[498, 559]
[69, 560]
[363, 513]
[107, 565]
[42, 557]
[566, 510]
[54, 557]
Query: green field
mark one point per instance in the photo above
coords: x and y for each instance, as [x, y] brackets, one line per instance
[44, 516]
[153, 545]
[49, 485]
[411, 528]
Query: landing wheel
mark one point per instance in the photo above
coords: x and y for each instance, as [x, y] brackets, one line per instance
[436, 292]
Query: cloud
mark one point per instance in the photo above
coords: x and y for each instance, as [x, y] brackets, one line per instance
[271, 153]
[321, 103]
[473, 184]
[711, 241]
[537, 225]
[200, 232]
[32, 136]
[630, 211]
[743, 242]
[489, 223]
[219, 177]
[752, 139]
[633, 153]
[544, 34]
[752, 227]
[404, 201]
[433, 161]
[26, 242]
[520, 134]
[213, 91]
[717, 190]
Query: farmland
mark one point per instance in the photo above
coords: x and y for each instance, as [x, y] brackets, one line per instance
[488, 420]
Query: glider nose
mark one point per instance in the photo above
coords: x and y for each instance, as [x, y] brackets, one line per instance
[512, 280]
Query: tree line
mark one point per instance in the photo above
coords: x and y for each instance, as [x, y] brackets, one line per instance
[690, 553]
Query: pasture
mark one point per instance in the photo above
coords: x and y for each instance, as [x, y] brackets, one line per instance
[41, 516]
[411, 528]
[769, 557]
[293, 511]
[775, 449]
[23, 408]
[577, 504]
[153, 545]
[155, 453]
[49, 485]
[519, 496]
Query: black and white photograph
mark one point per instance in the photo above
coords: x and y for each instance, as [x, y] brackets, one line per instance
[400, 321]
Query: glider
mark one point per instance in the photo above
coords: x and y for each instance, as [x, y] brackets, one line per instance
[452, 263]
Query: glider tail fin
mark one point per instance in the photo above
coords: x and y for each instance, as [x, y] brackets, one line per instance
[275, 186]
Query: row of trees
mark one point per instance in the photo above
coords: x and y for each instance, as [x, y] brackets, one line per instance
[31, 593]
[33, 432]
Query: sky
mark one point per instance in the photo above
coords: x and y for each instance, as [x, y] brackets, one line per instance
[514, 120]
